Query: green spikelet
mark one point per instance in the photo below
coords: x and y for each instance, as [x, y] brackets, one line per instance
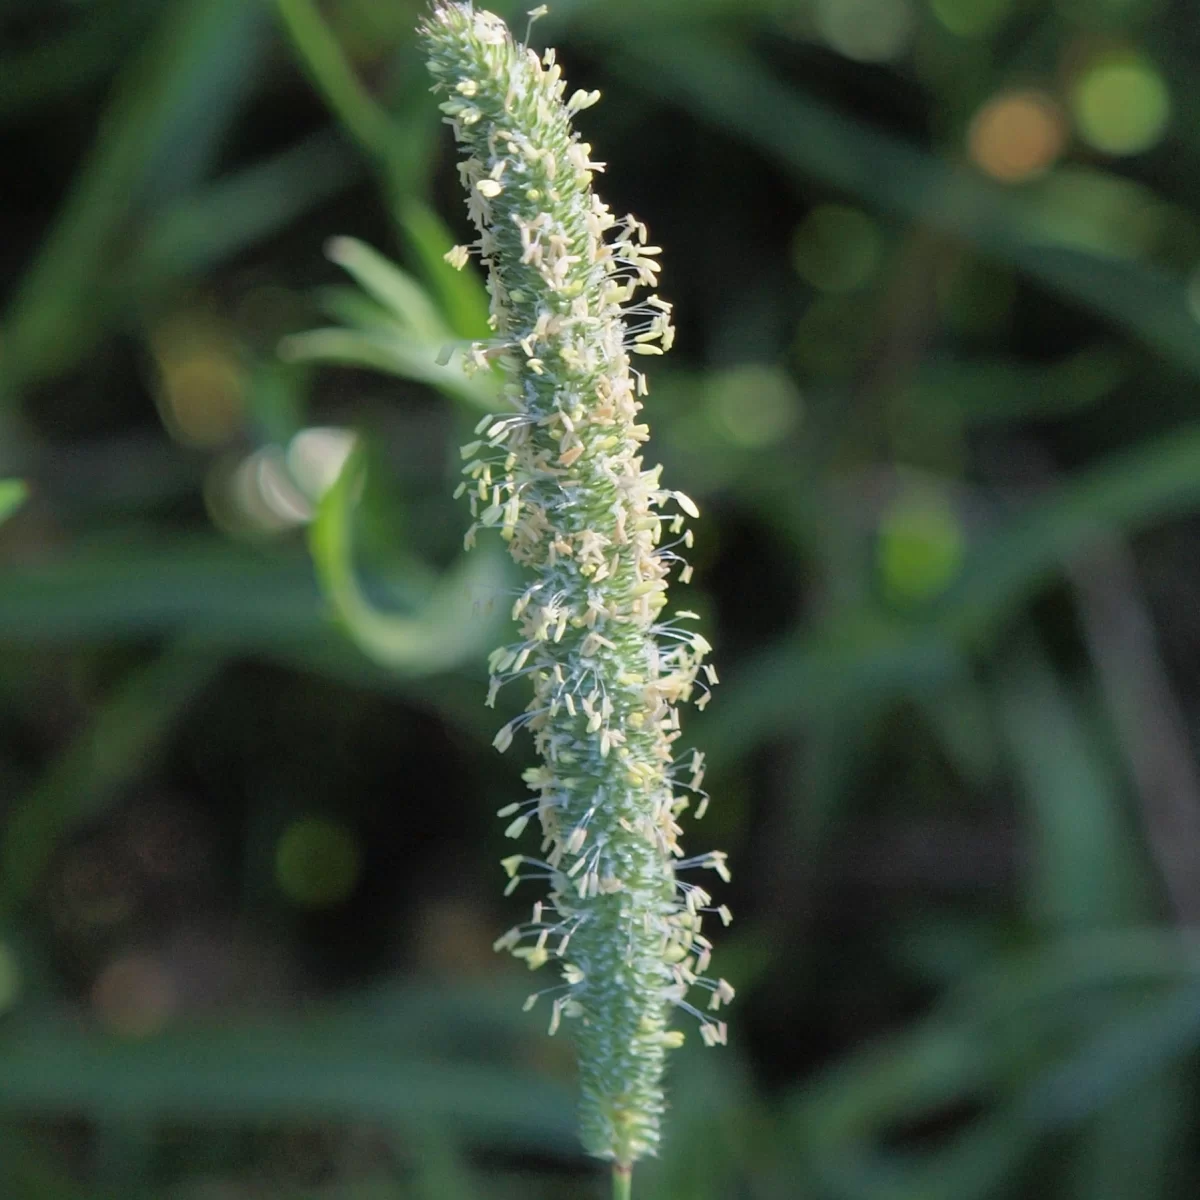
[562, 479]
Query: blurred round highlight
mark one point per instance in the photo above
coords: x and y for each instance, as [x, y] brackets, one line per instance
[921, 546]
[200, 381]
[1193, 293]
[865, 30]
[1017, 136]
[316, 456]
[318, 862]
[837, 249]
[255, 496]
[753, 406]
[134, 995]
[271, 490]
[1121, 104]
[10, 978]
[971, 18]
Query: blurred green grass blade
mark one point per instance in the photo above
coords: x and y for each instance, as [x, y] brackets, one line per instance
[210, 225]
[818, 673]
[1085, 867]
[222, 597]
[1162, 1031]
[12, 495]
[398, 142]
[394, 352]
[442, 1172]
[321, 57]
[1009, 1042]
[377, 1186]
[717, 1124]
[73, 59]
[735, 91]
[1135, 1147]
[842, 1122]
[1124, 493]
[961, 719]
[447, 628]
[395, 329]
[876, 658]
[454, 697]
[169, 108]
[1001, 390]
[355, 310]
[1128, 1090]
[838, 740]
[280, 1071]
[29, 1173]
[225, 595]
[123, 1154]
[460, 293]
[391, 286]
[1115, 1032]
[400, 146]
[108, 753]
[1066, 971]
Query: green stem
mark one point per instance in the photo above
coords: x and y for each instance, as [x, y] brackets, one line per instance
[333, 76]
[394, 147]
[622, 1177]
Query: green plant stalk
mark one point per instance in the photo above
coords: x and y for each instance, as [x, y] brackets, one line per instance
[318, 52]
[622, 1181]
[561, 477]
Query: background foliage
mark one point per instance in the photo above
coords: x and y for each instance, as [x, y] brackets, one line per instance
[936, 389]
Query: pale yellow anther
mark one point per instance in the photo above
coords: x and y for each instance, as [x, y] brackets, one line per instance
[534, 956]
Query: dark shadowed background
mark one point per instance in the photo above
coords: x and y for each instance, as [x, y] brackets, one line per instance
[937, 392]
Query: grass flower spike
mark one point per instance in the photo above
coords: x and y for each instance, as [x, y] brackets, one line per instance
[561, 478]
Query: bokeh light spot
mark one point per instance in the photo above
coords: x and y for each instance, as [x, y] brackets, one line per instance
[10, 978]
[1193, 293]
[752, 405]
[201, 382]
[254, 496]
[1095, 211]
[317, 862]
[316, 456]
[1017, 135]
[920, 546]
[134, 995]
[837, 249]
[971, 18]
[1121, 104]
[865, 30]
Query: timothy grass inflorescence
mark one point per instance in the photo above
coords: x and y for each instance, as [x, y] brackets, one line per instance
[561, 478]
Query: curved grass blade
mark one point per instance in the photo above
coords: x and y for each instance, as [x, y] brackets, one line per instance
[448, 627]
